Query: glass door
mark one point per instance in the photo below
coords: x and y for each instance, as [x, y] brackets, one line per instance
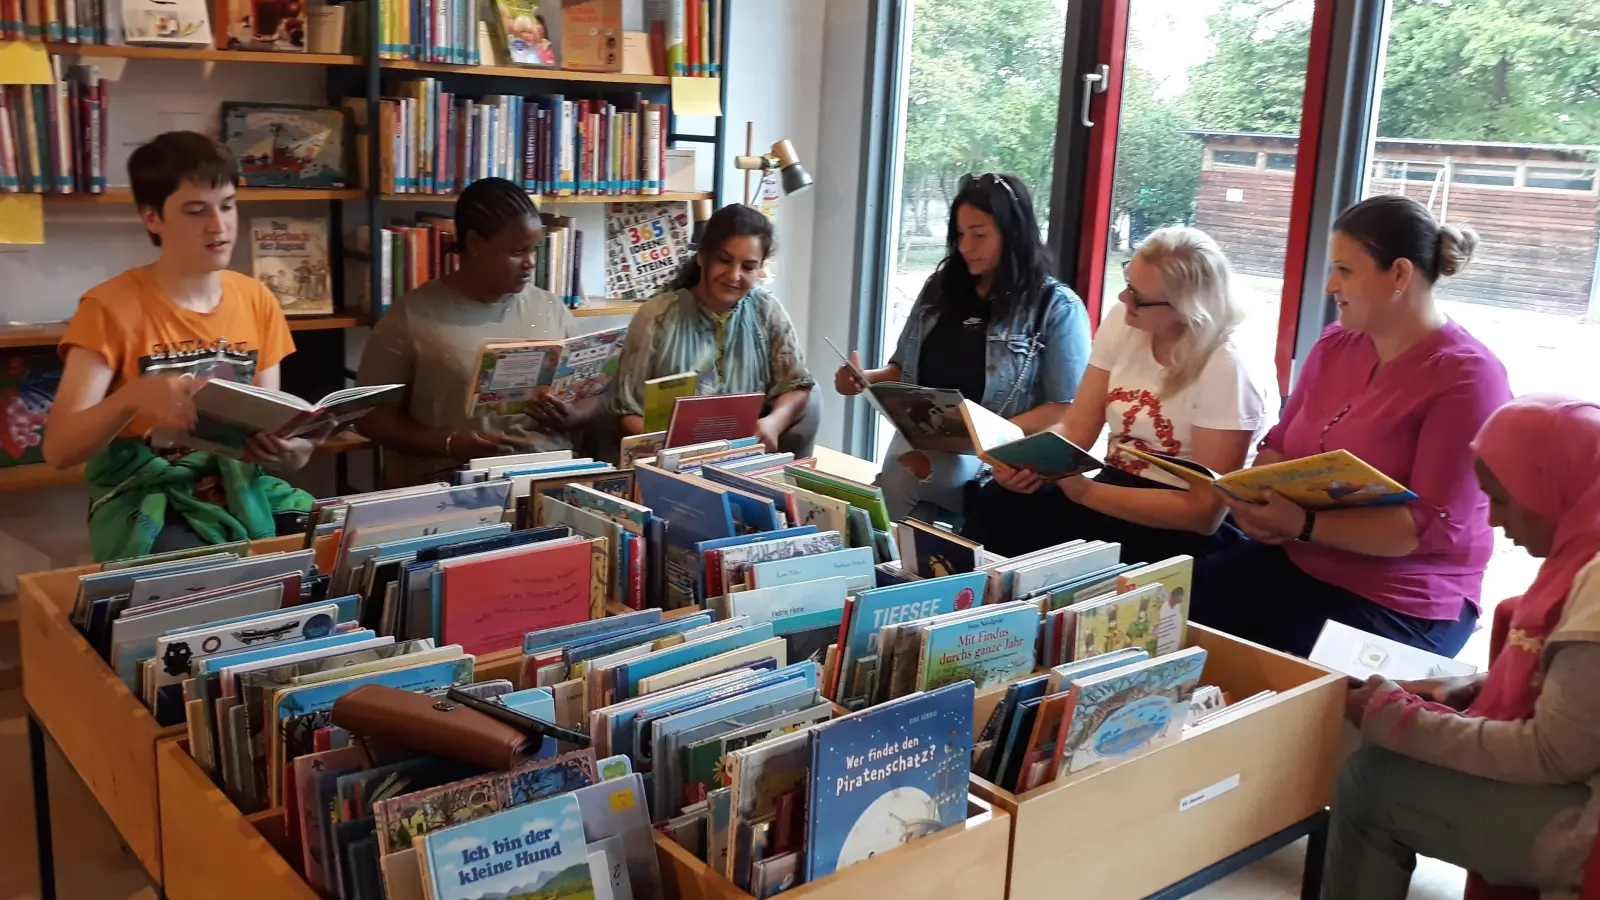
[1203, 131]
[980, 94]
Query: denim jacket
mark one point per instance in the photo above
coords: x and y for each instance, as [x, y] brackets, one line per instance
[1027, 366]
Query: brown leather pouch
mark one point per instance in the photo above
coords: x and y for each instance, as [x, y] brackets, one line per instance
[436, 726]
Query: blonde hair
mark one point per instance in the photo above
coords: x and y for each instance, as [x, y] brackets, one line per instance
[1195, 280]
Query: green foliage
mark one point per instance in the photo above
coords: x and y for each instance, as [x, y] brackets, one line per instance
[1158, 164]
[1256, 78]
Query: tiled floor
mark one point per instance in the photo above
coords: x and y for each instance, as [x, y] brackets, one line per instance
[92, 864]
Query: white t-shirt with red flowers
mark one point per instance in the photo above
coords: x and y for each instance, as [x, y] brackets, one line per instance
[1227, 396]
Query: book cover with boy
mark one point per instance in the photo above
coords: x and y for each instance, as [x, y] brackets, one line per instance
[536, 850]
[887, 776]
[1175, 577]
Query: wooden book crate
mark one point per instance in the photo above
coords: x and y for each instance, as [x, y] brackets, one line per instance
[1128, 830]
[100, 726]
[963, 862]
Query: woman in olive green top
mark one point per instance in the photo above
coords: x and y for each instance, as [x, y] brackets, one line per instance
[735, 337]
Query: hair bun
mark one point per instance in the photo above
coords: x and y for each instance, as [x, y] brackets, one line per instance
[1456, 246]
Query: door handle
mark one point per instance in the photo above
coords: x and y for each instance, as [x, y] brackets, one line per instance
[1093, 83]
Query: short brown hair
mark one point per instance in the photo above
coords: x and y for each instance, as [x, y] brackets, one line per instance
[158, 166]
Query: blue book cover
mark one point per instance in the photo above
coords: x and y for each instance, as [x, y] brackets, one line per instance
[530, 851]
[989, 649]
[695, 511]
[600, 645]
[539, 703]
[623, 720]
[241, 657]
[855, 565]
[886, 776]
[312, 698]
[773, 603]
[901, 603]
[1129, 708]
[752, 514]
[991, 741]
[550, 638]
[629, 674]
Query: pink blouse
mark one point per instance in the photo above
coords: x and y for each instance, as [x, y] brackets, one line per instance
[1413, 419]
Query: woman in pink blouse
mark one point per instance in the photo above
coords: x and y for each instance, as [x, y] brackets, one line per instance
[1399, 385]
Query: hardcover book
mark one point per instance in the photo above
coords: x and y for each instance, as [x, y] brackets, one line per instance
[661, 393]
[1119, 621]
[886, 776]
[290, 257]
[1127, 709]
[286, 146]
[1174, 576]
[1337, 479]
[28, 386]
[536, 850]
[513, 373]
[715, 417]
[879, 607]
[988, 649]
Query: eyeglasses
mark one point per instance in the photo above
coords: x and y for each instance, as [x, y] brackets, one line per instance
[1131, 296]
[987, 178]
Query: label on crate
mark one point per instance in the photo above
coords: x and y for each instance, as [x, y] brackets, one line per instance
[1208, 793]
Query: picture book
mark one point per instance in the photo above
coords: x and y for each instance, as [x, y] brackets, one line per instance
[759, 775]
[591, 35]
[932, 552]
[879, 607]
[1337, 479]
[488, 603]
[1092, 556]
[513, 373]
[228, 414]
[286, 146]
[1130, 619]
[646, 245]
[1044, 452]
[1360, 654]
[28, 384]
[886, 776]
[1176, 577]
[705, 766]
[522, 32]
[695, 511]
[536, 850]
[639, 446]
[989, 649]
[991, 740]
[547, 638]
[868, 497]
[617, 809]
[855, 565]
[660, 394]
[735, 561]
[714, 417]
[1127, 709]
[260, 25]
[290, 257]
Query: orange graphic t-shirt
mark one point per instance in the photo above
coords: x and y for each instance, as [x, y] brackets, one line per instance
[136, 329]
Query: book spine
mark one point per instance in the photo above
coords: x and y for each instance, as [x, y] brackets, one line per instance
[716, 38]
[530, 137]
[576, 296]
[441, 26]
[652, 150]
[29, 133]
[72, 113]
[9, 168]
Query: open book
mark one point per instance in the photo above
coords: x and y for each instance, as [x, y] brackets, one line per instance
[228, 413]
[1337, 479]
[511, 373]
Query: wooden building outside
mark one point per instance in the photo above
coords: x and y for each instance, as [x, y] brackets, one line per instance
[1536, 208]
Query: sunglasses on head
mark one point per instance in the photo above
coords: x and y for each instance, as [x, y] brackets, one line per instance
[987, 179]
[1131, 296]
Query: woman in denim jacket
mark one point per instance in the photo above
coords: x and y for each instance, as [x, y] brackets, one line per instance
[990, 322]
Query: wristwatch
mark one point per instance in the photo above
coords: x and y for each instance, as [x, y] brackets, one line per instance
[1305, 531]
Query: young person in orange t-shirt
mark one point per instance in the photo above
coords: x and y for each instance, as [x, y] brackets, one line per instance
[142, 343]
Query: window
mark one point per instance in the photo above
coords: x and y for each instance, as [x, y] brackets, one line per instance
[1407, 170]
[1477, 173]
[1281, 162]
[1244, 159]
[1560, 179]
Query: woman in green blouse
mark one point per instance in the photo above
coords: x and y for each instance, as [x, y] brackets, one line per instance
[715, 322]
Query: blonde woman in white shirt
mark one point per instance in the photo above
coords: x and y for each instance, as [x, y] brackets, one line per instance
[1165, 376]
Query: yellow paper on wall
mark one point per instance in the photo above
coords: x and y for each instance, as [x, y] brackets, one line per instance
[24, 62]
[21, 218]
[697, 96]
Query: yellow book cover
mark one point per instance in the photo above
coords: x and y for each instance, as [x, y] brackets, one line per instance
[1175, 578]
[661, 393]
[1337, 479]
[1129, 619]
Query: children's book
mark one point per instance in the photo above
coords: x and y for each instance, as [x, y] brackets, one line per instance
[537, 850]
[635, 447]
[929, 551]
[1360, 654]
[880, 607]
[887, 776]
[1118, 621]
[512, 373]
[523, 32]
[1127, 709]
[868, 497]
[660, 394]
[1337, 479]
[715, 417]
[991, 741]
[228, 414]
[854, 564]
[28, 385]
[1176, 577]
[989, 649]
[290, 257]
[1045, 452]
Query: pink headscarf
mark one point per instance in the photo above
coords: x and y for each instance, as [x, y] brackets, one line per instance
[1545, 450]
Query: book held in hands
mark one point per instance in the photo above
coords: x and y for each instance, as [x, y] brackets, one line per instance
[229, 413]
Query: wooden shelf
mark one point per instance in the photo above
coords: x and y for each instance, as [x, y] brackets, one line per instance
[529, 72]
[37, 475]
[547, 200]
[246, 194]
[608, 308]
[203, 54]
[49, 333]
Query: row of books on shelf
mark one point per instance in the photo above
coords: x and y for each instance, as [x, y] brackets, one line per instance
[53, 136]
[434, 142]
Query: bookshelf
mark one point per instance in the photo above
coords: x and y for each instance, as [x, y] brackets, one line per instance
[246, 195]
[201, 54]
[529, 72]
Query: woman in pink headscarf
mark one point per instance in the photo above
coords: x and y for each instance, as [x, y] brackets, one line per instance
[1503, 788]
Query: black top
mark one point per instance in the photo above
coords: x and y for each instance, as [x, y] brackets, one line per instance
[953, 352]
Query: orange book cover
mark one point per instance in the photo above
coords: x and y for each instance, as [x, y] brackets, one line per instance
[488, 604]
